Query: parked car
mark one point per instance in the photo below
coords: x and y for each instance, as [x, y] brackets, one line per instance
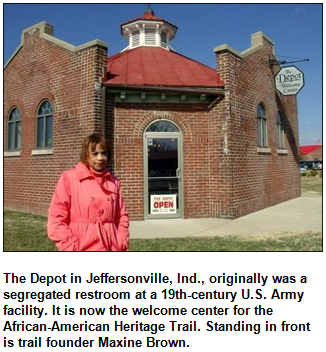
[306, 165]
[318, 165]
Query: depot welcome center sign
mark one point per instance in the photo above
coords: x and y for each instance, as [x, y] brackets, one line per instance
[289, 80]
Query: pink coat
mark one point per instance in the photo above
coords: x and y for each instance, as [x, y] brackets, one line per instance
[85, 216]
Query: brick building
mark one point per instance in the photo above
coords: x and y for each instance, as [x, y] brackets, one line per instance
[189, 141]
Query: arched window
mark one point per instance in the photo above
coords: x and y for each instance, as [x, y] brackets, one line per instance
[162, 126]
[280, 131]
[14, 130]
[261, 126]
[44, 126]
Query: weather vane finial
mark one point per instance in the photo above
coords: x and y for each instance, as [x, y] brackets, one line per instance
[149, 9]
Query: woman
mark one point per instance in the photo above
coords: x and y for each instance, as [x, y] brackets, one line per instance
[87, 212]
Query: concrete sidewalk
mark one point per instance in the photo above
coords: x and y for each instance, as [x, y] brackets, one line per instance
[304, 213]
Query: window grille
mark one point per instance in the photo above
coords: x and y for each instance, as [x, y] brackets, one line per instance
[150, 37]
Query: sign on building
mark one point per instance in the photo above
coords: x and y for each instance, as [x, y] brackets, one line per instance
[289, 80]
[164, 204]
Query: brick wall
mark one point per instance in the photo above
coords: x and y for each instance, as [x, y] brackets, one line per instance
[224, 174]
[129, 122]
[259, 180]
[43, 70]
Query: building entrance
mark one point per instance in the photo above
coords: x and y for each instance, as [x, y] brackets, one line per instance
[163, 171]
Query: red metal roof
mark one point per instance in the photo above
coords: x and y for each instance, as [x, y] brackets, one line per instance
[306, 149]
[155, 66]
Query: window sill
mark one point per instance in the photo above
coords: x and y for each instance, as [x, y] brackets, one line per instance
[264, 150]
[12, 154]
[282, 151]
[42, 152]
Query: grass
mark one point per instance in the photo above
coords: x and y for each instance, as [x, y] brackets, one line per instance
[285, 241]
[312, 184]
[27, 232]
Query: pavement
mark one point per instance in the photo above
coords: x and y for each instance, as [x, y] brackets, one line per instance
[300, 214]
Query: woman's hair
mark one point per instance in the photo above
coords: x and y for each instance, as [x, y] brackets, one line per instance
[93, 140]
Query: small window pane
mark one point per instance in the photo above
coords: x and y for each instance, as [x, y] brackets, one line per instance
[264, 132]
[48, 132]
[40, 132]
[162, 126]
[15, 115]
[280, 131]
[260, 111]
[18, 135]
[11, 135]
[45, 109]
[279, 118]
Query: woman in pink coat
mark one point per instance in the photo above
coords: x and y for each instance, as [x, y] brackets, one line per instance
[87, 212]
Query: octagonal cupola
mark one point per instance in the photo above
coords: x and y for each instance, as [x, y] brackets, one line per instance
[148, 30]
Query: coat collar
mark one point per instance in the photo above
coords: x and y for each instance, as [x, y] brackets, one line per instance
[84, 173]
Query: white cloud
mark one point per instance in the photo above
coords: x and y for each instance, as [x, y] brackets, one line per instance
[299, 10]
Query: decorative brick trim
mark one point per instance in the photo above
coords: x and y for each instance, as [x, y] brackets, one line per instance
[150, 117]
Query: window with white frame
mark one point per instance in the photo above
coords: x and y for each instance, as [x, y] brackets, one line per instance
[280, 131]
[14, 130]
[44, 126]
[261, 126]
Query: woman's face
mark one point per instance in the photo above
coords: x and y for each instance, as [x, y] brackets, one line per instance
[97, 158]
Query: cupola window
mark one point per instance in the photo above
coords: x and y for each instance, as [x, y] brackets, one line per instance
[135, 38]
[150, 37]
[163, 40]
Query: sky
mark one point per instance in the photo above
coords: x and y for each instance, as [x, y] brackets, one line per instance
[295, 29]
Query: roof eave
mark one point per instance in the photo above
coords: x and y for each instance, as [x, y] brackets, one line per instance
[218, 91]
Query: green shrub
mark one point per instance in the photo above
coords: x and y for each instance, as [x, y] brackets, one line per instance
[313, 173]
[303, 174]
